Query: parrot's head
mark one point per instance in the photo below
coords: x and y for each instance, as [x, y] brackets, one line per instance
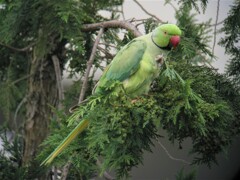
[166, 36]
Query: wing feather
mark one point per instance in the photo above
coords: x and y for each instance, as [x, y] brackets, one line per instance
[127, 61]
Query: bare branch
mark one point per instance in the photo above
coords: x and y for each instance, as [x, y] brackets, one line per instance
[18, 49]
[107, 54]
[135, 20]
[122, 12]
[138, 24]
[170, 156]
[217, 24]
[215, 27]
[112, 24]
[152, 15]
[89, 65]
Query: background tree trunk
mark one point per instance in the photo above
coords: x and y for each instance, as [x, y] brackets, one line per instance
[42, 92]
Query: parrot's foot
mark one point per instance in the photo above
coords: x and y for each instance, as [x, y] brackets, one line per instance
[134, 101]
[137, 99]
[160, 59]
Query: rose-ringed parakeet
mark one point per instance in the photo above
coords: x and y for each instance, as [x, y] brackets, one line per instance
[135, 66]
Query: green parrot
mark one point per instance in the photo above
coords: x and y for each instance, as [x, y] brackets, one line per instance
[135, 66]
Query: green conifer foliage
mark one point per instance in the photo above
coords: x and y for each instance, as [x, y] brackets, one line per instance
[231, 42]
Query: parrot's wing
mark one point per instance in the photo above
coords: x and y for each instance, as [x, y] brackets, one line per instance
[126, 62]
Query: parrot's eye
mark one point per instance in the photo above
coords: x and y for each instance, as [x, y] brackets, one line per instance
[165, 32]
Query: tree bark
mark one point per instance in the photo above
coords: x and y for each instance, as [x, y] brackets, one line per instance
[42, 92]
[112, 24]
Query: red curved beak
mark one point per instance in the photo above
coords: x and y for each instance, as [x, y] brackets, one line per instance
[175, 41]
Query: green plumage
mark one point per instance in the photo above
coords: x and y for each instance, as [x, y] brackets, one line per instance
[134, 66]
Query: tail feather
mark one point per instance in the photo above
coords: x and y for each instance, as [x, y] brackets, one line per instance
[77, 130]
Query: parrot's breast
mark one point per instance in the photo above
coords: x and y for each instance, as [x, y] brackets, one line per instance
[139, 83]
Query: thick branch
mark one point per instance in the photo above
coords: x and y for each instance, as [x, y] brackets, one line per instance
[112, 24]
[57, 69]
[89, 65]
[152, 15]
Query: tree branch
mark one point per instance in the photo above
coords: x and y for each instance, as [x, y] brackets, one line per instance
[89, 65]
[217, 24]
[215, 27]
[16, 113]
[18, 49]
[84, 85]
[21, 79]
[122, 12]
[57, 69]
[170, 156]
[112, 24]
[152, 15]
[110, 45]
[107, 54]
[61, 97]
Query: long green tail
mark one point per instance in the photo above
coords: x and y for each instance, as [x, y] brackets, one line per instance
[77, 130]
